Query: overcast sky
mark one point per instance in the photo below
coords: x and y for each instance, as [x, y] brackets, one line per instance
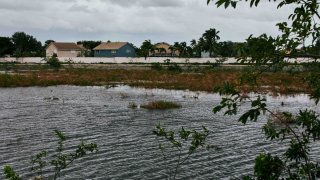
[135, 20]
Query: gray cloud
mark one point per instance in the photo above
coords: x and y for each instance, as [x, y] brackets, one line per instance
[135, 20]
[146, 3]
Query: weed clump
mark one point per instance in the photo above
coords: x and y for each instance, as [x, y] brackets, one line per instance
[156, 66]
[132, 105]
[161, 105]
[284, 118]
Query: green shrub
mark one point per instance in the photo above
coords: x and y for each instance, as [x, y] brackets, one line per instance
[54, 61]
[156, 66]
[174, 67]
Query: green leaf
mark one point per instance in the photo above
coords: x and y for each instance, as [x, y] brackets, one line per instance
[268, 167]
[60, 135]
[233, 4]
[10, 173]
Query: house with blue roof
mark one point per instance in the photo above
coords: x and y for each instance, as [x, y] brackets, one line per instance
[115, 49]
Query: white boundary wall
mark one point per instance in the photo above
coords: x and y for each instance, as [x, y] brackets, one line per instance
[119, 60]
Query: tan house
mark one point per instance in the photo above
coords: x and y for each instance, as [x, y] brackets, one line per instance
[162, 49]
[64, 49]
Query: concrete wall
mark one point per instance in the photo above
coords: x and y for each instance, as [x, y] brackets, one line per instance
[119, 60]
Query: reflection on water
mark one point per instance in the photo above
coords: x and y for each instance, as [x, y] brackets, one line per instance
[127, 147]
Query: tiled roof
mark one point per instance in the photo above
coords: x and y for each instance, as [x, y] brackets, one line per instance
[66, 46]
[162, 43]
[110, 46]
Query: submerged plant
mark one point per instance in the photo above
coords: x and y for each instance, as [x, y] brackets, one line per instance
[161, 105]
[132, 105]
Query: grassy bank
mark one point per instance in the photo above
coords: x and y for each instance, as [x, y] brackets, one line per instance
[206, 80]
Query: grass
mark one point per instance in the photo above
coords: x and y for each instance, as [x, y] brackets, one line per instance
[161, 105]
[206, 80]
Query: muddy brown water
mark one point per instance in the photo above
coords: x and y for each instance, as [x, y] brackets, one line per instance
[127, 147]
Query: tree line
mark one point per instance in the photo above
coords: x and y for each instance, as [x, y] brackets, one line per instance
[21, 44]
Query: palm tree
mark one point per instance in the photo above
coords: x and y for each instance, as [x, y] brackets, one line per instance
[157, 52]
[193, 43]
[146, 48]
[173, 51]
[193, 46]
[177, 47]
[183, 49]
[210, 40]
[163, 51]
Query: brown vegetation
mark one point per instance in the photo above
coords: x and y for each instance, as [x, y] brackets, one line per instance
[161, 105]
[275, 82]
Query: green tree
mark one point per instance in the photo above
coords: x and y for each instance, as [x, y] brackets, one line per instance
[210, 38]
[6, 46]
[182, 48]
[89, 46]
[26, 45]
[173, 50]
[193, 43]
[313, 50]
[146, 48]
[47, 43]
[295, 162]
[226, 49]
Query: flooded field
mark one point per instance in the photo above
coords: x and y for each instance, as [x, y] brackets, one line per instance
[127, 148]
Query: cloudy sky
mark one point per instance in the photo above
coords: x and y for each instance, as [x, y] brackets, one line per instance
[135, 20]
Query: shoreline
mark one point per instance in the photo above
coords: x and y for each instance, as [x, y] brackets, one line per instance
[203, 79]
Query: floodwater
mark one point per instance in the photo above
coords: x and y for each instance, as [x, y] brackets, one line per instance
[127, 148]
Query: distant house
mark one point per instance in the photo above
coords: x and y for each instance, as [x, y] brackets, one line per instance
[114, 49]
[64, 49]
[162, 49]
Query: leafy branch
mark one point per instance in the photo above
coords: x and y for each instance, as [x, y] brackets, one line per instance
[185, 143]
[59, 160]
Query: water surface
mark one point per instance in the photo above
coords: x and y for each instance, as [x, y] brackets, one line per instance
[127, 147]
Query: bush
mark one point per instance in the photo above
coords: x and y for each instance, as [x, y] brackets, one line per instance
[156, 66]
[174, 67]
[54, 61]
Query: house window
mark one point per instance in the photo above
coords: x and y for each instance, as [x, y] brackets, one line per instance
[128, 51]
[113, 52]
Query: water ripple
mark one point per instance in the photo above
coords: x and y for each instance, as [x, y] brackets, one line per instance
[127, 147]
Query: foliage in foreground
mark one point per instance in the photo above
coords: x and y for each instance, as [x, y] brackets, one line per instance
[183, 145]
[56, 162]
[295, 162]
